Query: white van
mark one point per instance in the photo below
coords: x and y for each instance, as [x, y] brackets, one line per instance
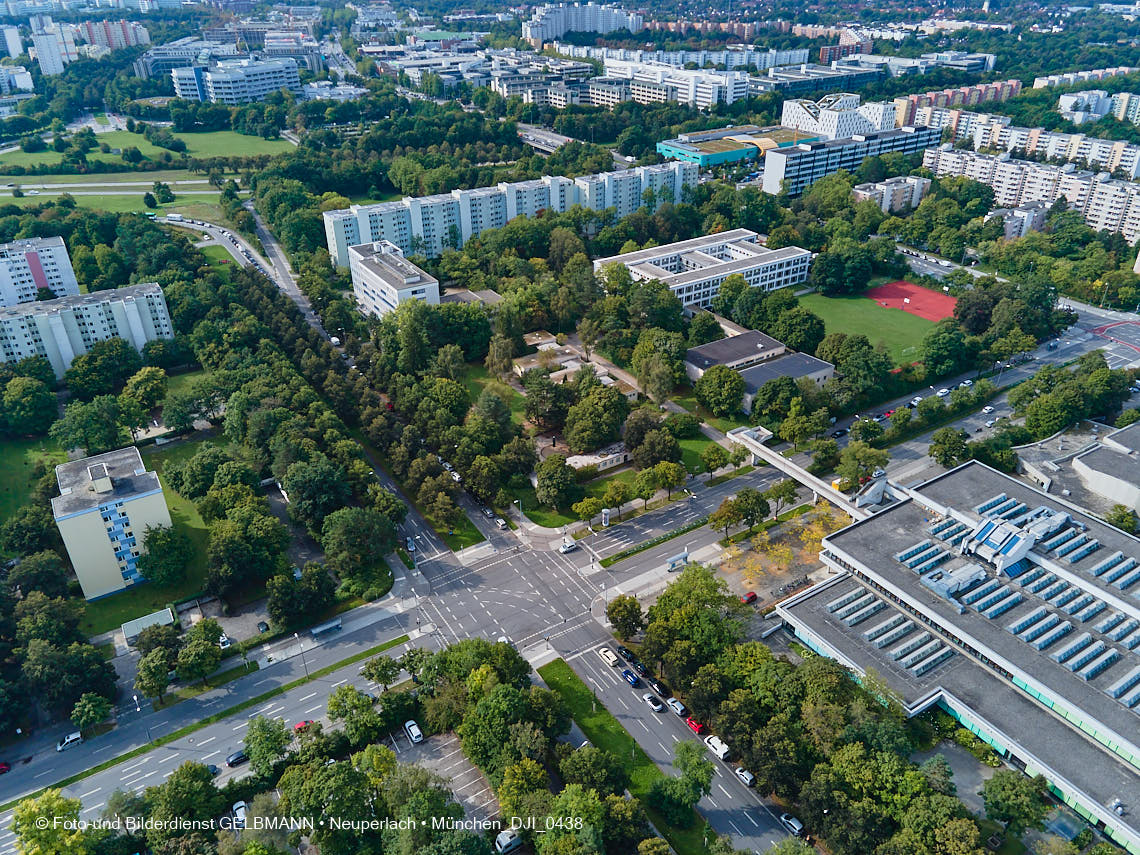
[413, 731]
[608, 656]
[68, 741]
[717, 746]
[508, 840]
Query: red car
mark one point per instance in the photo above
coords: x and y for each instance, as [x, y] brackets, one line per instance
[695, 726]
[4, 767]
[301, 725]
[748, 598]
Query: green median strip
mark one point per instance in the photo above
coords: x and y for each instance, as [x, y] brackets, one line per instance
[649, 544]
[216, 717]
[606, 732]
[184, 693]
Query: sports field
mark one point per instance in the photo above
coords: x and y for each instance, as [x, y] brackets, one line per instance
[913, 299]
[901, 332]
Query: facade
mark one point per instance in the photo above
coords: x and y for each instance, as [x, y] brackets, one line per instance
[729, 145]
[732, 56]
[798, 366]
[655, 82]
[12, 41]
[1087, 106]
[15, 79]
[811, 78]
[48, 53]
[837, 115]
[33, 263]
[1009, 608]
[792, 169]
[737, 352]
[427, 224]
[237, 81]
[964, 96]
[382, 279]
[1020, 221]
[1111, 468]
[830, 53]
[1126, 107]
[554, 21]
[114, 35]
[290, 44]
[61, 329]
[894, 194]
[694, 269]
[962, 123]
[1104, 203]
[1076, 77]
[104, 507]
[1100, 154]
[162, 59]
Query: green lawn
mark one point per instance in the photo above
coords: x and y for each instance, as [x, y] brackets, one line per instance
[365, 199]
[198, 206]
[178, 383]
[691, 452]
[606, 732]
[182, 693]
[110, 612]
[901, 332]
[203, 145]
[476, 379]
[17, 457]
[132, 179]
[687, 399]
[218, 256]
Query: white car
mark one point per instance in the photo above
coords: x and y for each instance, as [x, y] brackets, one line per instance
[567, 546]
[679, 708]
[654, 704]
[413, 731]
[986, 410]
[224, 641]
[916, 400]
[746, 777]
[608, 656]
[942, 393]
[793, 825]
[966, 384]
[717, 746]
[239, 810]
[989, 423]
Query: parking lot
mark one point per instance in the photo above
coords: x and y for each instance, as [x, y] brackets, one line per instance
[1123, 349]
[442, 755]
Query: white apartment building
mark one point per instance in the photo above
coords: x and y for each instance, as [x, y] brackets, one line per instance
[694, 269]
[1020, 221]
[1126, 107]
[554, 21]
[1099, 154]
[1075, 77]
[61, 329]
[893, 194]
[655, 82]
[962, 123]
[104, 506]
[1103, 202]
[12, 41]
[236, 82]
[33, 263]
[382, 279]
[1087, 106]
[732, 56]
[838, 115]
[163, 59]
[49, 53]
[428, 224]
[15, 78]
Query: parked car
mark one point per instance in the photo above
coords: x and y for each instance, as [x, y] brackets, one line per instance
[237, 758]
[224, 641]
[501, 523]
[630, 677]
[487, 512]
[608, 656]
[4, 767]
[240, 809]
[639, 667]
[659, 687]
[301, 725]
[793, 825]
[213, 770]
[262, 626]
[965, 384]
[915, 401]
[717, 746]
[986, 410]
[841, 432]
[746, 777]
[413, 731]
[567, 546]
[625, 653]
[654, 704]
[942, 393]
[68, 741]
[748, 598]
[679, 708]
[695, 726]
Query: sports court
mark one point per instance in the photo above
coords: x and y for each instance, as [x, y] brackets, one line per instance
[914, 300]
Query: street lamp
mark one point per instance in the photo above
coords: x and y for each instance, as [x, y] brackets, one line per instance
[303, 660]
[135, 698]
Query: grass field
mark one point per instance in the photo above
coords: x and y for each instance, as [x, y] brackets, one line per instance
[197, 206]
[142, 180]
[204, 145]
[218, 256]
[900, 332]
[110, 612]
[606, 732]
[477, 379]
[17, 457]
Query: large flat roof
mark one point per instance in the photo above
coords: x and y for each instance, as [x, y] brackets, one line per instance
[44, 307]
[794, 365]
[640, 255]
[78, 480]
[731, 349]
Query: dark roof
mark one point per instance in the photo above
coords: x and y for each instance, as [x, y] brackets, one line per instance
[794, 365]
[731, 349]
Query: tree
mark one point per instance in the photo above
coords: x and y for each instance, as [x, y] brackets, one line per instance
[720, 390]
[867, 430]
[64, 836]
[596, 419]
[449, 362]
[499, 354]
[555, 481]
[752, 505]
[104, 368]
[714, 457]
[168, 553]
[781, 494]
[41, 571]
[153, 675]
[382, 670]
[657, 446]
[1015, 800]
[703, 329]
[147, 386]
[355, 540]
[1123, 517]
[265, 742]
[639, 424]
[198, 659]
[96, 426]
[1054, 845]
[858, 461]
[29, 406]
[670, 476]
[949, 446]
[625, 616]
[799, 426]
[726, 516]
[89, 710]
[617, 494]
[316, 488]
[791, 846]
[149, 200]
[189, 794]
[362, 723]
[588, 508]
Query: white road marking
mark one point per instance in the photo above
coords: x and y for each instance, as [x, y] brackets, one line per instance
[723, 790]
[89, 793]
[310, 695]
[243, 724]
[752, 819]
[314, 709]
[206, 741]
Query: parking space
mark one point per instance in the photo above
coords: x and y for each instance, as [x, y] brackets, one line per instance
[443, 755]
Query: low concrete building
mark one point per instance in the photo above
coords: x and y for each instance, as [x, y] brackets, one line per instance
[382, 279]
[1111, 469]
[104, 506]
[737, 352]
[610, 457]
[795, 365]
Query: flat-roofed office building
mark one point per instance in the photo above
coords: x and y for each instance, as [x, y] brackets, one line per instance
[382, 279]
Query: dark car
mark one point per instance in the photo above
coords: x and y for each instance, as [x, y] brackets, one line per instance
[213, 770]
[639, 667]
[4, 767]
[625, 653]
[836, 434]
[748, 598]
[659, 687]
[237, 758]
[262, 626]
[630, 678]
